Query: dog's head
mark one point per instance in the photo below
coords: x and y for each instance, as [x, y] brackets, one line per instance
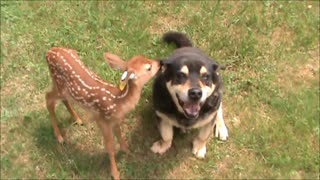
[190, 80]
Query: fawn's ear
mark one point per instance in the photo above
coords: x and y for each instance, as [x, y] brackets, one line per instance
[115, 61]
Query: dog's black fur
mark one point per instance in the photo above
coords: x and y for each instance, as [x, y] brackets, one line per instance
[187, 93]
[194, 59]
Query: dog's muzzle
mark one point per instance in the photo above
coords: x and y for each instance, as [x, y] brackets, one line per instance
[192, 106]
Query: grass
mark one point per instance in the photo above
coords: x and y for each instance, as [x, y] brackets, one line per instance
[271, 100]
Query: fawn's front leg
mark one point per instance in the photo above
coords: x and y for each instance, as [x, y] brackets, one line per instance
[51, 100]
[122, 141]
[106, 129]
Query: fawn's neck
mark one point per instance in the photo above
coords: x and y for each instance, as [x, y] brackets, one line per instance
[129, 97]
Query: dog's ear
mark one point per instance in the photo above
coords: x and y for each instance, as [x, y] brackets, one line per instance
[216, 67]
[165, 63]
[215, 73]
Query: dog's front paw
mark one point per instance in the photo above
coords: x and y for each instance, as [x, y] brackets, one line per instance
[221, 131]
[199, 149]
[200, 153]
[160, 146]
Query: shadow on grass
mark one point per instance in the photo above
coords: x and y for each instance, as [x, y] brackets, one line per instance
[69, 159]
[81, 159]
[143, 163]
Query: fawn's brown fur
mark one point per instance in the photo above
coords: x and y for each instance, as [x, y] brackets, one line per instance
[109, 104]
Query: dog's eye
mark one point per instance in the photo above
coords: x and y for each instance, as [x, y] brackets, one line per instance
[205, 77]
[181, 75]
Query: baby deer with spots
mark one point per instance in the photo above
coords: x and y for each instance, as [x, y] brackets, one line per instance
[109, 104]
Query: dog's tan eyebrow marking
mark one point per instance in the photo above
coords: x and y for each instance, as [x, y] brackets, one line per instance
[203, 70]
[185, 70]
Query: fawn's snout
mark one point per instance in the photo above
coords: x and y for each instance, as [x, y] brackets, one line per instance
[143, 68]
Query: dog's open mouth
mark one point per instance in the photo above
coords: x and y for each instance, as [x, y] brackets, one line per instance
[191, 109]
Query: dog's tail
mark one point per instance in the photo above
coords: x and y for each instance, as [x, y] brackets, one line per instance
[179, 39]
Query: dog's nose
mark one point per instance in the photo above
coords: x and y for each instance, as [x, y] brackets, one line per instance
[195, 94]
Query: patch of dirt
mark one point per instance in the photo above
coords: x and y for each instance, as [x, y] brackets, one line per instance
[309, 69]
[223, 165]
[241, 162]
[281, 34]
[303, 73]
[181, 171]
[85, 137]
[23, 89]
[167, 22]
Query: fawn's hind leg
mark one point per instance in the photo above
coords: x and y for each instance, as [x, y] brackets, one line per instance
[51, 99]
[74, 115]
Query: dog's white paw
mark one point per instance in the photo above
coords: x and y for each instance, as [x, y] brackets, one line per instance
[221, 131]
[199, 149]
[160, 146]
[199, 152]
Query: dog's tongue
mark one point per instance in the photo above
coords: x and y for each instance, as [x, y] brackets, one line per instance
[192, 109]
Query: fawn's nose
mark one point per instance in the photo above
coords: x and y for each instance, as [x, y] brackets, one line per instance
[195, 94]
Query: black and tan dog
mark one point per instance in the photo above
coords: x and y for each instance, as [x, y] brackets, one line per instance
[187, 94]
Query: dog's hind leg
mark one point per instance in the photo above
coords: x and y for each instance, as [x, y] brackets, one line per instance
[166, 132]
[221, 130]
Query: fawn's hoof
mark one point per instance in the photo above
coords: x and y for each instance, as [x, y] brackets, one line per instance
[60, 139]
[115, 175]
[124, 147]
[79, 122]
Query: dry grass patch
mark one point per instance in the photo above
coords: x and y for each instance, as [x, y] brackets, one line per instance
[86, 137]
[165, 21]
[281, 34]
[304, 71]
[27, 97]
[182, 171]
[272, 134]
[241, 160]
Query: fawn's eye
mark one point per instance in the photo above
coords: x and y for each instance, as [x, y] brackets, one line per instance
[148, 67]
[132, 76]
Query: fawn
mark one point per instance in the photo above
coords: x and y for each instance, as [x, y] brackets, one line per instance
[109, 104]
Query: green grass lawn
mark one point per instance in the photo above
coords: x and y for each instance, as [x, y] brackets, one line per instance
[271, 95]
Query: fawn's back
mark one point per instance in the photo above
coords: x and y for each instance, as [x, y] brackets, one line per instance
[73, 79]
